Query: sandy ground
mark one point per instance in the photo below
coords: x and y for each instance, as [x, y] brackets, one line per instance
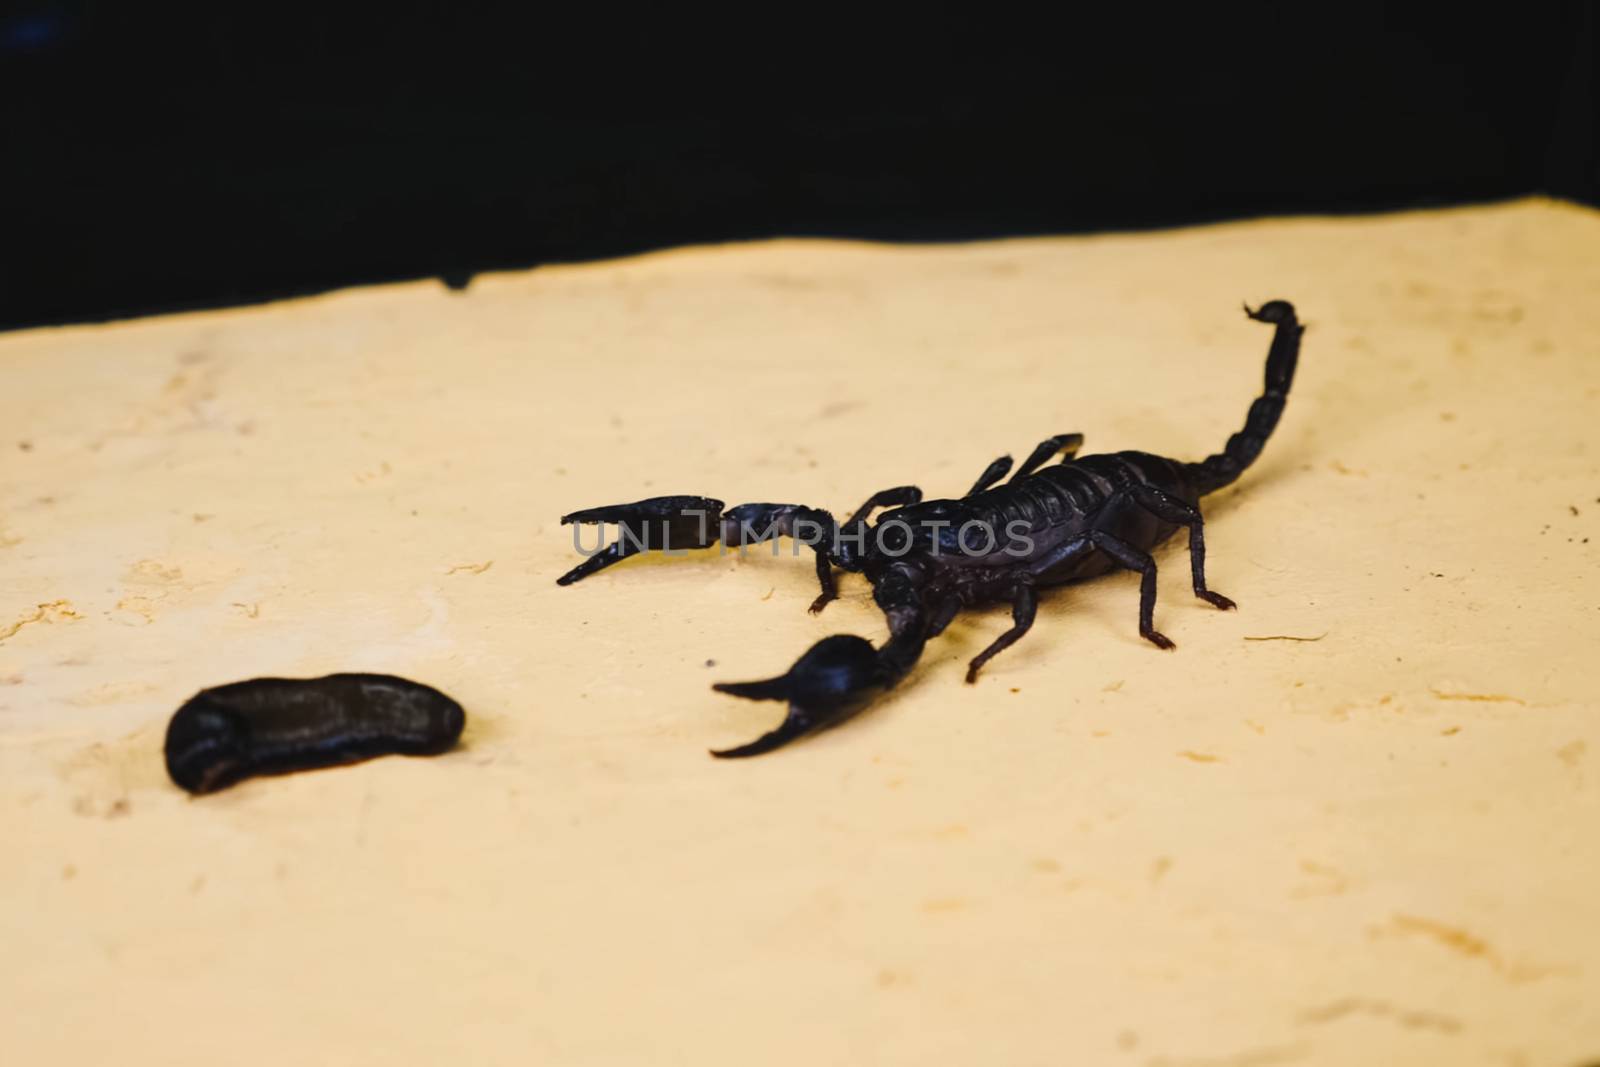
[1375, 845]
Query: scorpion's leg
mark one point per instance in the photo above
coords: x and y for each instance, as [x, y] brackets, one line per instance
[902, 496]
[1065, 443]
[1023, 604]
[1168, 508]
[1124, 555]
[991, 474]
[1136, 560]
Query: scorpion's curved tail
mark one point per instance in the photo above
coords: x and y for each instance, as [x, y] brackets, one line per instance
[1214, 472]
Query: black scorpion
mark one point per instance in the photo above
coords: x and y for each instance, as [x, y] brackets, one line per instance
[927, 560]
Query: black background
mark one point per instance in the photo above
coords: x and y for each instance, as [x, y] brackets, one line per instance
[251, 151]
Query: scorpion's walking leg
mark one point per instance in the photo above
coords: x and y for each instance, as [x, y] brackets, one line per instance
[1168, 508]
[1124, 555]
[902, 496]
[1065, 443]
[991, 474]
[1136, 560]
[1024, 603]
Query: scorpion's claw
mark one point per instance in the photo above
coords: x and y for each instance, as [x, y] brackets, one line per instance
[661, 522]
[825, 686]
[1273, 311]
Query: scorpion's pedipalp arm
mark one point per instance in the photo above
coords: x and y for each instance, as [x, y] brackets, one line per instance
[660, 523]
[1067, 444]
[750, 524]
[1168, 508]
[1024, 603]
[679, 523]
[991, 474]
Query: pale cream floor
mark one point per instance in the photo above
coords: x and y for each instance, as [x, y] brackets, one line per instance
[1381, 846]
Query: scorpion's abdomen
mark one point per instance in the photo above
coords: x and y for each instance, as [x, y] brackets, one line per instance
[1128, 470]
[1060, 496]
[1026, 519]
[1074, 493]
[1095, 493]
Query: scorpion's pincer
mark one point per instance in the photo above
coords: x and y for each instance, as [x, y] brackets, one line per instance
[1273, 311]
[827, 685]
[659, 524]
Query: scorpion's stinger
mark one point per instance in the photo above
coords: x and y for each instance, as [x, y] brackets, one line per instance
[1223, 468]
[828, 684]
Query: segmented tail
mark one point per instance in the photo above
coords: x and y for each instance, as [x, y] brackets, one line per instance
[1214, 472]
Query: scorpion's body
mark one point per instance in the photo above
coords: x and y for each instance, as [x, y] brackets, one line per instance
[1055, 506]
[928, 560]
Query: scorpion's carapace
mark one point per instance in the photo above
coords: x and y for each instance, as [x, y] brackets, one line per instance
[928, 560]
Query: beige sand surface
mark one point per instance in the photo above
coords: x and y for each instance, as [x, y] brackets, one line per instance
[1381, 846]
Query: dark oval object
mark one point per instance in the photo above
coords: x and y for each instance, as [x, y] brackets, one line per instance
[277, 725]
